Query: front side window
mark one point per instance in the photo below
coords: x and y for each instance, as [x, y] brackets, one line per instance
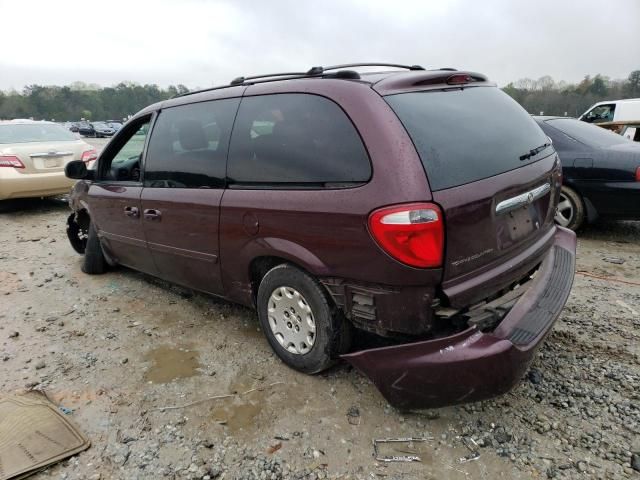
[600, 114]
[188, 146]
[125, 164]
[295, 139]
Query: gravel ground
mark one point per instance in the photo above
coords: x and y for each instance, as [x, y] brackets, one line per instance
[129, 355]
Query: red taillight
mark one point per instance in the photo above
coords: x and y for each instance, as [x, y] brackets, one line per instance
[89, 155]
[10, 161]
[638, 174]
[412, 233]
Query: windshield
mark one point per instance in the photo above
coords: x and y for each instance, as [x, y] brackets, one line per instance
[99, 125]
[34, 132]
[465, 135]
[590, 135]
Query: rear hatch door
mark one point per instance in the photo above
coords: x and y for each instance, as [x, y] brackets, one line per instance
[495, 175]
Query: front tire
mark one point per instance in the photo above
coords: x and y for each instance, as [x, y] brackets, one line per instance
[571, 210]
[300, 321]
[94, 262]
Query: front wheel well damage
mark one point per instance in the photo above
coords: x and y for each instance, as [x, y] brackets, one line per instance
[78, 230]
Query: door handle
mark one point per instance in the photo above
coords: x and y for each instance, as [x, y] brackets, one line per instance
[152, 214]
[131, 212]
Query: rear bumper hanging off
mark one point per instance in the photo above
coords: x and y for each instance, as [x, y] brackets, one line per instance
[473, 365]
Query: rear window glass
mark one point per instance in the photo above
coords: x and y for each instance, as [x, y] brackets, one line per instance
[588, 134]
[469, 134]
[34, 132]
[295, 139]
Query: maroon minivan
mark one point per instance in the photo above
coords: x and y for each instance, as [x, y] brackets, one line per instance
[413, 204]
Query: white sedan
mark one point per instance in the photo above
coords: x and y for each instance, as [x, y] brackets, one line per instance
[33, 156]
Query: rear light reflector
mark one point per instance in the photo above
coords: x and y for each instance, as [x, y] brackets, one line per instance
[412, 233]
[89, 155]
[638, 174]
[10, 161]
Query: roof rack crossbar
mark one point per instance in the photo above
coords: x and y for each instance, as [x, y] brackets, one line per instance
[320, 70]
[240, 80]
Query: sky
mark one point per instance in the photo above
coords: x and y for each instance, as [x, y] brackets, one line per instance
[201, 43]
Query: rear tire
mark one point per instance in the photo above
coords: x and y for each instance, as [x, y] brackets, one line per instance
[300, 321]
[571, 211]
[94, 262]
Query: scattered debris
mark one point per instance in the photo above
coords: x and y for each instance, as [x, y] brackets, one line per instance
[397, 458]
[353, 415]
[274, 448]
[215, 397]
[473, 447]
[616, 260]
[14, 334]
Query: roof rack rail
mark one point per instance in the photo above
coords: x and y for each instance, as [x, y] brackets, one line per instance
[321, 70]
[312, 72]
[241, 80]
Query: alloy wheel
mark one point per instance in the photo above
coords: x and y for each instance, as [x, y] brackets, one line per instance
[565, 211]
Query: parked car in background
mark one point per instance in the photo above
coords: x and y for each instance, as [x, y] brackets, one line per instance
[332, 200]
[72, 126]
[33, 156]
[613, 111]
[101, 129]
[95, 129]
[600, 172]
[115, 125]
[86, 129]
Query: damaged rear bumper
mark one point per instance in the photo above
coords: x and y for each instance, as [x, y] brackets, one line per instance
[473, 365]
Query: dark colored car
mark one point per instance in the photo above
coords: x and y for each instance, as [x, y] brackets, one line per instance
[336, 202]
[101, 129]
[601, 172]
[115, 125]
[95, 129]
[72, 126]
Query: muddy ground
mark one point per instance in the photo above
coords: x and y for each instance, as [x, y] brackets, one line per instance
[136, 361]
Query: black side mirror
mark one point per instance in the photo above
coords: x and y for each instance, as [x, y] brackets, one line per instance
[77, 170]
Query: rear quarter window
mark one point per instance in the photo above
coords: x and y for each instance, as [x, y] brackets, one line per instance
[466, 135]
[295, 139]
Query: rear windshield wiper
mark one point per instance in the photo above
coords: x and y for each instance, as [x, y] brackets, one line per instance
[534, 151]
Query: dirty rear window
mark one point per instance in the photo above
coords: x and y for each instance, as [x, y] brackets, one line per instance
[469, 134]
[34, 132]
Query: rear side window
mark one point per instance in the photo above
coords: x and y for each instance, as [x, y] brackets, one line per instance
[189, 144]
[295, 139]
[468, 134]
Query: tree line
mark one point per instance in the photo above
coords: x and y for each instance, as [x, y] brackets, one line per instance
[79, 100]
[92, 102]
[560, 98]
